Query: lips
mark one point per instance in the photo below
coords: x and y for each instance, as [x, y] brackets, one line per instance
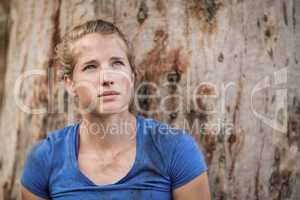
[109, 93]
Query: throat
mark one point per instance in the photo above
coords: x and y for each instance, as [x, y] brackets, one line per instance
[108, 166]
[104, 136]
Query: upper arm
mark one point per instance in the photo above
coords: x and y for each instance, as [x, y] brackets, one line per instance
[187, 161]
[27, 195]
[198, 188]
[36, 171]
[188, 170]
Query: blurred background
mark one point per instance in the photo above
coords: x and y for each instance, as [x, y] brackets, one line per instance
[227, 70]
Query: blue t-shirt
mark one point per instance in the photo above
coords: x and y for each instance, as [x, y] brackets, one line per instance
[166, 158]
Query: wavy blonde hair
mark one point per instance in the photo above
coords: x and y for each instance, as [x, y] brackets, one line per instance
[65, 56]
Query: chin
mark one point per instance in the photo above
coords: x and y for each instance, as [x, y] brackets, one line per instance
[111, 109]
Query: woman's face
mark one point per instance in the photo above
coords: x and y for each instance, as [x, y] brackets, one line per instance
[102, 78]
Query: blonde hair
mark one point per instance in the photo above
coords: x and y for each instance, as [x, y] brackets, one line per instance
[64, 54]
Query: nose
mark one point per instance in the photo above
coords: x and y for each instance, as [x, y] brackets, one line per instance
[106, 80]
[107, 83]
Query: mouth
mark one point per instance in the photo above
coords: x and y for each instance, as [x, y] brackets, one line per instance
[109, 93]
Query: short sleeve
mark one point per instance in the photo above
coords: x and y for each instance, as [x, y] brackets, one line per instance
[36, 170]
[187, 161]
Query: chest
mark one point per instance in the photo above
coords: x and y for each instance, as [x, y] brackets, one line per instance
[106, 168]
[146, 180]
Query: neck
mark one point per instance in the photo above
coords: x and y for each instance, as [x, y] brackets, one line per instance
[107, 131]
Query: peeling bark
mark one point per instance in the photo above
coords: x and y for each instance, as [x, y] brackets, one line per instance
[218, 49]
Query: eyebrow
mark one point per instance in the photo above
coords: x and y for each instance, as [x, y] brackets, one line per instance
[95, 61]
[90, 62]
[117, 58]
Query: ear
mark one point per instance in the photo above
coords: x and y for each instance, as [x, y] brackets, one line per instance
[69, 85]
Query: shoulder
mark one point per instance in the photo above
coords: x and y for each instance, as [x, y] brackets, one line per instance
[164, 134]
[160, 137]
[42, 158]
[61, 134]
[180, 152]
[43, 150]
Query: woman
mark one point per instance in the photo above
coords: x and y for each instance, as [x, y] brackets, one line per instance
[112, 153]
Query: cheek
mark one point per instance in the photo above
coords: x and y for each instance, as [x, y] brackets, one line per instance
[85, 94]
[125, 83]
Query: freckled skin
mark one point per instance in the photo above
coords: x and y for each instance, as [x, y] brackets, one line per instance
[91, 82]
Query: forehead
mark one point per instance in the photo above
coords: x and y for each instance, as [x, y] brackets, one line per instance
[104, 45]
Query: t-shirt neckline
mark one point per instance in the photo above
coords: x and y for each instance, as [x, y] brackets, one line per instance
[138, 154]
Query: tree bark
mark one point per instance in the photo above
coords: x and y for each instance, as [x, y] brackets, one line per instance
[241, 59]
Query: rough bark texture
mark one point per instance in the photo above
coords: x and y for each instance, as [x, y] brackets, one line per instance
[214, 43]
[4, 28]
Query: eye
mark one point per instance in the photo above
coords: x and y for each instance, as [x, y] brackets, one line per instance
[118, 63]
[89, 67]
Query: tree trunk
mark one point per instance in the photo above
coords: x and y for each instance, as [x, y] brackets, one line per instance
[241, 59]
